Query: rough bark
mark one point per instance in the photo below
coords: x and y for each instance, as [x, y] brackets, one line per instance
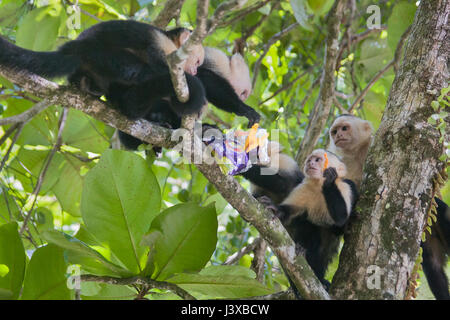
[383, 241]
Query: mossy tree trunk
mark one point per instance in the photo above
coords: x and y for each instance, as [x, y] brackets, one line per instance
[383, 241]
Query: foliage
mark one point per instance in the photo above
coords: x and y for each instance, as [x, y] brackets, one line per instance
[122, 214]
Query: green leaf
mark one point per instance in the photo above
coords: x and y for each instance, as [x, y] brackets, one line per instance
[85, 133]
[12, 256]
[299, 8]
[119, 201]
[80, 253]
[39, 28]
[45, 278]
[401, 18]
[320, 6]
[187, 239]
[111, 292]
[227, 282]
[8, 207]
[4, 270]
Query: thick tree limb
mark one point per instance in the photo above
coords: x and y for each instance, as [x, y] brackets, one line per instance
[324, 102]
[171, 10]
[383, 242]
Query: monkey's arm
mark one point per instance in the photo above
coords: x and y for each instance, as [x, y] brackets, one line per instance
[221, 94]
[280, 183]
[334, 197]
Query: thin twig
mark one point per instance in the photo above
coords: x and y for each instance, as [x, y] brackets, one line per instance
[140, 281]
[8, 133]
[14, 140]
[56, 147]
[235, 257]
[287, 85]
[259, 255]
[243, 14]
[27, 115]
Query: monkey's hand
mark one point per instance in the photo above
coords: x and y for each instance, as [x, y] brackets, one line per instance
[268, 203]
[330, 176]
[252, 116]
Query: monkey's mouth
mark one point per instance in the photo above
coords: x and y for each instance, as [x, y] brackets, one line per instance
[312, 170]
[340, 141]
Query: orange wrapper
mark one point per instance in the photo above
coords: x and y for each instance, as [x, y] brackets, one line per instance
[325, 165]
[251, 142]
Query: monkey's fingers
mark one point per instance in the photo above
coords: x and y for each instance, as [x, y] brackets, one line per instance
[330, 175]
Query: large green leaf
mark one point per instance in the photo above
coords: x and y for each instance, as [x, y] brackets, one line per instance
[221, 282]
[186, 236]
[119, 201]
[85, 133]
[12, 260]
[45, 278]
[80, 253]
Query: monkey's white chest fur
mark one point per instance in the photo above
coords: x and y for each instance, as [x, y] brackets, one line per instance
[308, 196]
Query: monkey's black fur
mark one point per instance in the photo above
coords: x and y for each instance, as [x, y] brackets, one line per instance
[436, 251]
[125, 61]
[219, 92]
[277, 186]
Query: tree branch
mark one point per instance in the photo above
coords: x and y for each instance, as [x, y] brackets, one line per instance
[149, 283]
[27, 115]
[324, 102]
[171, 10]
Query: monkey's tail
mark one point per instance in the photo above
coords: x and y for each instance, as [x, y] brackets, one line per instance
[50, 64]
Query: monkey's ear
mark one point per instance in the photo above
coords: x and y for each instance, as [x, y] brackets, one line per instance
[367, 126]
[184, 36]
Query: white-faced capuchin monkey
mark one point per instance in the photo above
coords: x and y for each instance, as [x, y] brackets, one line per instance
[227, 84]
[125, 60]
[350, 138]
[317, 210]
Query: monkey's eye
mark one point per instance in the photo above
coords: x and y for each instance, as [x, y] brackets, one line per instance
[198, 62]
[334, 132]
[344, 128]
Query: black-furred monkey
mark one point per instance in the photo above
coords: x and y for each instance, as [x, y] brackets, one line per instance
[227, 83]
[124, 60]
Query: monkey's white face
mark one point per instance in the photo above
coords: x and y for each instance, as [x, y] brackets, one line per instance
[195, 60]
[342, 133]
[314, 165]
[240, 77]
